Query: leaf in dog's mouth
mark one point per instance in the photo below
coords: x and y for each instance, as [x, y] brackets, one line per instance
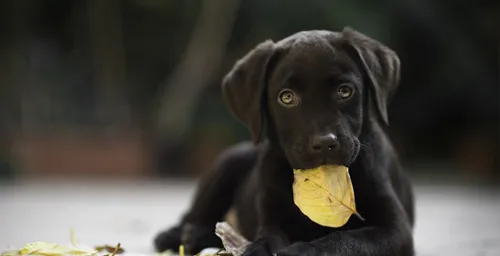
[325, 194]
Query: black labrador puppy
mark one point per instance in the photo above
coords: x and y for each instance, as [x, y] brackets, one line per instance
[314, 98]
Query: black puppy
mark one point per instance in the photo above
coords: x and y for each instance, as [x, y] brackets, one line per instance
[314, 98]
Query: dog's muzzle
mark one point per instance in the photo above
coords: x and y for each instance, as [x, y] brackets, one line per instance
[325, 148]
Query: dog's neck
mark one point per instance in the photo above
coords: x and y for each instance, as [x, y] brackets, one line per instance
[272, 149]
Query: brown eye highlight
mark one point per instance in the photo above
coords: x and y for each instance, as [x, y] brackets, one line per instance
[287, 98]
[345, 92]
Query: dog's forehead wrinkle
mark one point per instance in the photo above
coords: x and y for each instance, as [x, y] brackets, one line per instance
[313, 48]
[305, 62]
[312, 59]
[305, 44]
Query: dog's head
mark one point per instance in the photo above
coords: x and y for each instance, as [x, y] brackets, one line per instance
[311, 92]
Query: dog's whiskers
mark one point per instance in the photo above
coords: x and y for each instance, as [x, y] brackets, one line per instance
[365, 148]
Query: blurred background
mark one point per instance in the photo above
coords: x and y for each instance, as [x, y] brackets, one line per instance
[129, 91]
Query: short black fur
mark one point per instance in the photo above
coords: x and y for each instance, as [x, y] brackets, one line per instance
[256, 178]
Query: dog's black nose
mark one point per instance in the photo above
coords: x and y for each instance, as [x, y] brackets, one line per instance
[324, 143]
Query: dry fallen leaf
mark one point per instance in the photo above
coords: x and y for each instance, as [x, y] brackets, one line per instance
[234, 243]
[49, 249]
[325, 194]
[110, 249]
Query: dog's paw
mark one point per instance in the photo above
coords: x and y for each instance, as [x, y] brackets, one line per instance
[195, 238]
[169, 239]
[257, 249]
[299, 249]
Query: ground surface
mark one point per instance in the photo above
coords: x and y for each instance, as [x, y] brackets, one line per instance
[451, 220]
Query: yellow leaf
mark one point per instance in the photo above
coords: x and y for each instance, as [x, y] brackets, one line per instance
[325, 194]
[181, 250]
[48, 249]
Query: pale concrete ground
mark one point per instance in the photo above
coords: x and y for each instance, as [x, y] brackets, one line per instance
[451, 220]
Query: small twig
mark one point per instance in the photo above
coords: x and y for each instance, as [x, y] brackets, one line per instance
[116, 249]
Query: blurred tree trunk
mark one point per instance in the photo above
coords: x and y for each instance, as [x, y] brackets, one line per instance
[202, 60]
[5, 83]
[105, 24]
[13, 26]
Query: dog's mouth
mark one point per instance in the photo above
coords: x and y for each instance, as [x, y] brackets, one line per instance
[320, 162]
[301, 159]
[317, 162]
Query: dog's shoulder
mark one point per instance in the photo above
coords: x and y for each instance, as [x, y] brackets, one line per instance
[242, 151]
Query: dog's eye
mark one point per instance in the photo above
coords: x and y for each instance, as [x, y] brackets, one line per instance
[345, 91]
[288, 98]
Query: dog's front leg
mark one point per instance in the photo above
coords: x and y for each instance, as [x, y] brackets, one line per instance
[270, 239]
[270, 236]
[371, 241]
[389, 233]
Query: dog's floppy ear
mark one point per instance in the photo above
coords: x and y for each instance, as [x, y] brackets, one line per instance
[380, 64]
[244, 86]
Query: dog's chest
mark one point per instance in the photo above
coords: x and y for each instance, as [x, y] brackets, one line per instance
[300, 228]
